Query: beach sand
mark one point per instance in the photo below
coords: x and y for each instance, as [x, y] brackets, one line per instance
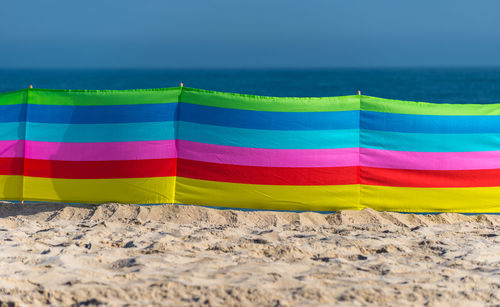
[186, 255]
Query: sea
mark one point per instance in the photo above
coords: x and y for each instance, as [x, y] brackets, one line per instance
[439, 85]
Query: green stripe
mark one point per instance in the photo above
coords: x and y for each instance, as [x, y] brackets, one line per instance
[425, 108]
[9, 98]
[265, 103]
[242, 102]
[103, 97]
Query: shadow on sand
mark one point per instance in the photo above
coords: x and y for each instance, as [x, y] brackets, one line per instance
[8, 209]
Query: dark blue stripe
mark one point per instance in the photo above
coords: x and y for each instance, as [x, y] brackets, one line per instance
[60, 114]
[429, 123]
[268, 120]
[12, 113]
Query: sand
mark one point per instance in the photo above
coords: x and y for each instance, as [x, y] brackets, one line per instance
[186, 255]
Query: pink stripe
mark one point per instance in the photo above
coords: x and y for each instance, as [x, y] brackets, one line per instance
[100, 151]
[251, 156]
[12, 149]
[430, 160]
[188, 150]
[268, 157]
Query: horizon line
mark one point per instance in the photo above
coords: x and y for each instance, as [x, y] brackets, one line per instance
[256, 68]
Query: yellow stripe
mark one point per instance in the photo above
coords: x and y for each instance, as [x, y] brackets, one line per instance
[469, 200]
[129, 190]
[11, 187]
[269, 197]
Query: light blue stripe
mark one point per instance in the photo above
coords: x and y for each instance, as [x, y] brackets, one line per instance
[11, 131]
[86, 133]
[272, 139]
[430, 142]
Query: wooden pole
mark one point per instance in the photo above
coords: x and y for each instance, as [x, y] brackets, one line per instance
[22, 201]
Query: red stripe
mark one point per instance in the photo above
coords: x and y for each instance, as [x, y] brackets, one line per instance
[186, 168]
[250, 174]
[267, 175]
[430, 178]
[11, 166]
[100, 169]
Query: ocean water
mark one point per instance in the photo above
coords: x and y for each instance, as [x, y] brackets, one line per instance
[441, 85]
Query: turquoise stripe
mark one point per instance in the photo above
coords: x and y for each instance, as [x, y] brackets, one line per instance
[430, 142]
[242, 137]
[12, 131]
[86, 133]
[273, 139]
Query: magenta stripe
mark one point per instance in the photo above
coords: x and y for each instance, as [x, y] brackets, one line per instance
[430, 160]
[193, 151]
[187, 150]
[12, 149]
[101, 151]
[251, 156]
[268, 157]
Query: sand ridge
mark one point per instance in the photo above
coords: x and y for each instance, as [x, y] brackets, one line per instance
[115, 255]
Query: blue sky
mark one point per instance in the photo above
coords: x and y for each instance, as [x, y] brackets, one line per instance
[248, 34]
